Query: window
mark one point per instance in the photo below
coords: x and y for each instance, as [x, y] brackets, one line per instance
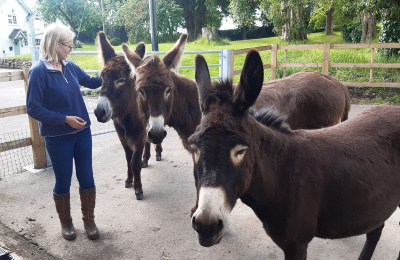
[12, 19]
[37, 42]
[25, 40]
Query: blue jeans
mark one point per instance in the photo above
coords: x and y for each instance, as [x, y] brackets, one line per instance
[62, 151]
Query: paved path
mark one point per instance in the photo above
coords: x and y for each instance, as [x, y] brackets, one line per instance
[157, 227]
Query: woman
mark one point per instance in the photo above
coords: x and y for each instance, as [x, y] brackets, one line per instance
[55, 100]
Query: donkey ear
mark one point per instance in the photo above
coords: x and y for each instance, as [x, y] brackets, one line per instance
[173, 56]
[203, 79]
[133, 58]
[251, 81]
[141, 49]
[106, 51]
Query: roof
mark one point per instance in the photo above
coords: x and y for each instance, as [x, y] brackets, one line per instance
[17, 33]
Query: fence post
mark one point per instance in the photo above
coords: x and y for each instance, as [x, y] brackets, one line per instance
[325, 60]
[227, 64]
[38, 148]
[274, 60]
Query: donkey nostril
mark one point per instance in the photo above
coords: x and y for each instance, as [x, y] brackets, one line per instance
[99, 113]
[220, 226]
[194, 225]
[165, 133]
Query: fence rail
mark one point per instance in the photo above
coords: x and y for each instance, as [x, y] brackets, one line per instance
[226, 70]
[326, 63]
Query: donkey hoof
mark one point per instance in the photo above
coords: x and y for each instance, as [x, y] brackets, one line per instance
[158, 157]
[139, 194]
[128, 184]
[145, 164]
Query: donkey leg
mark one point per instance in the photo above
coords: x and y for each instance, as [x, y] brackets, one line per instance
[136, 165]
[295, 252]
[398, 258]
[158, 152]
[128, 155]
[146, 155]
[372, 240]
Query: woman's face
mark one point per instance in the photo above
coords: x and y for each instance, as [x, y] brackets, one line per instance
[64, 49]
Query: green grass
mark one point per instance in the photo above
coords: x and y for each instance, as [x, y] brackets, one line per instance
[90, 62]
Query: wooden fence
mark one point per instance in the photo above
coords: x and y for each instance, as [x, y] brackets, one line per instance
[36, 141]
[326, 63]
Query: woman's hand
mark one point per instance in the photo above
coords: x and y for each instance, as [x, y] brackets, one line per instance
[75, 122]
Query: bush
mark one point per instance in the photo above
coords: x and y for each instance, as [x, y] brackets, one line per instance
[203, 41]
[78, 44]
[115, 41]
[352, 31]
[390, 32]
[255, 33]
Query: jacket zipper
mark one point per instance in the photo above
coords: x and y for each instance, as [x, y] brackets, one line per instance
[64, 75]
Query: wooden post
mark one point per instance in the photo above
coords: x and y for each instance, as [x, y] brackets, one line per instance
[325, 60]
[274, 60]
[372, 61]
[284, 69]
[38, 148]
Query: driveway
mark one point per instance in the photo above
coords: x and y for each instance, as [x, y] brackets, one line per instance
[158, 227]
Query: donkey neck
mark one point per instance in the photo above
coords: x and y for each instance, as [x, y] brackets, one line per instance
[271, 149]
[186, 113]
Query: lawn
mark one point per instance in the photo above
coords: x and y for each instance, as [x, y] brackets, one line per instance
[90, 62]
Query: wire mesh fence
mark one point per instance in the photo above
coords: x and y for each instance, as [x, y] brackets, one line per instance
[14, 160]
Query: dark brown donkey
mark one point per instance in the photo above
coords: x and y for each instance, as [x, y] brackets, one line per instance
[310, 100]
[333, 182]
[118, 100]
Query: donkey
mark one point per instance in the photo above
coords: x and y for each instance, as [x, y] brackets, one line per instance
[333, 182]
[167, 98]
[310, 100]
[118, 100]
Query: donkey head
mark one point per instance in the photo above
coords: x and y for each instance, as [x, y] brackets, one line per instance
[118, 85]
[221, 146]
[156, 88]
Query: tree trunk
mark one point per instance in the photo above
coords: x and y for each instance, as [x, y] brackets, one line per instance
[195, 17]
[368, 21]
[285, 21]
[329, 20]
[293, 22]
[210, 33]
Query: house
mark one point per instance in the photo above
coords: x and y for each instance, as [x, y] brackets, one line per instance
[21, 29]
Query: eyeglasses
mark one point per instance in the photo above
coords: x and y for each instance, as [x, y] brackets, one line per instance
[69, 46]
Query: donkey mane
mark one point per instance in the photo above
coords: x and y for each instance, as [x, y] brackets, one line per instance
[271, 118]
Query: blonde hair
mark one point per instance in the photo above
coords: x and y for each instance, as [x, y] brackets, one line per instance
[54, 35]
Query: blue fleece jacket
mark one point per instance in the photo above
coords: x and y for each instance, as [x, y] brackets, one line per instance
[52, 95]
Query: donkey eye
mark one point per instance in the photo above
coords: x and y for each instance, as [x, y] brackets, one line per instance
[142, 93]
[167, 92]
[241, 152]
[237, 153]
[119, 82]
[196, 152]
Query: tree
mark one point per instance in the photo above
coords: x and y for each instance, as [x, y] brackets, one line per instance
[197, 11]
[244, 14]
[288, 17]
[84, 13]
[134, 15]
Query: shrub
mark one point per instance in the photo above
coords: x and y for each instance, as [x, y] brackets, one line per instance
[352, 31]
[115, 41]
[78, 44]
